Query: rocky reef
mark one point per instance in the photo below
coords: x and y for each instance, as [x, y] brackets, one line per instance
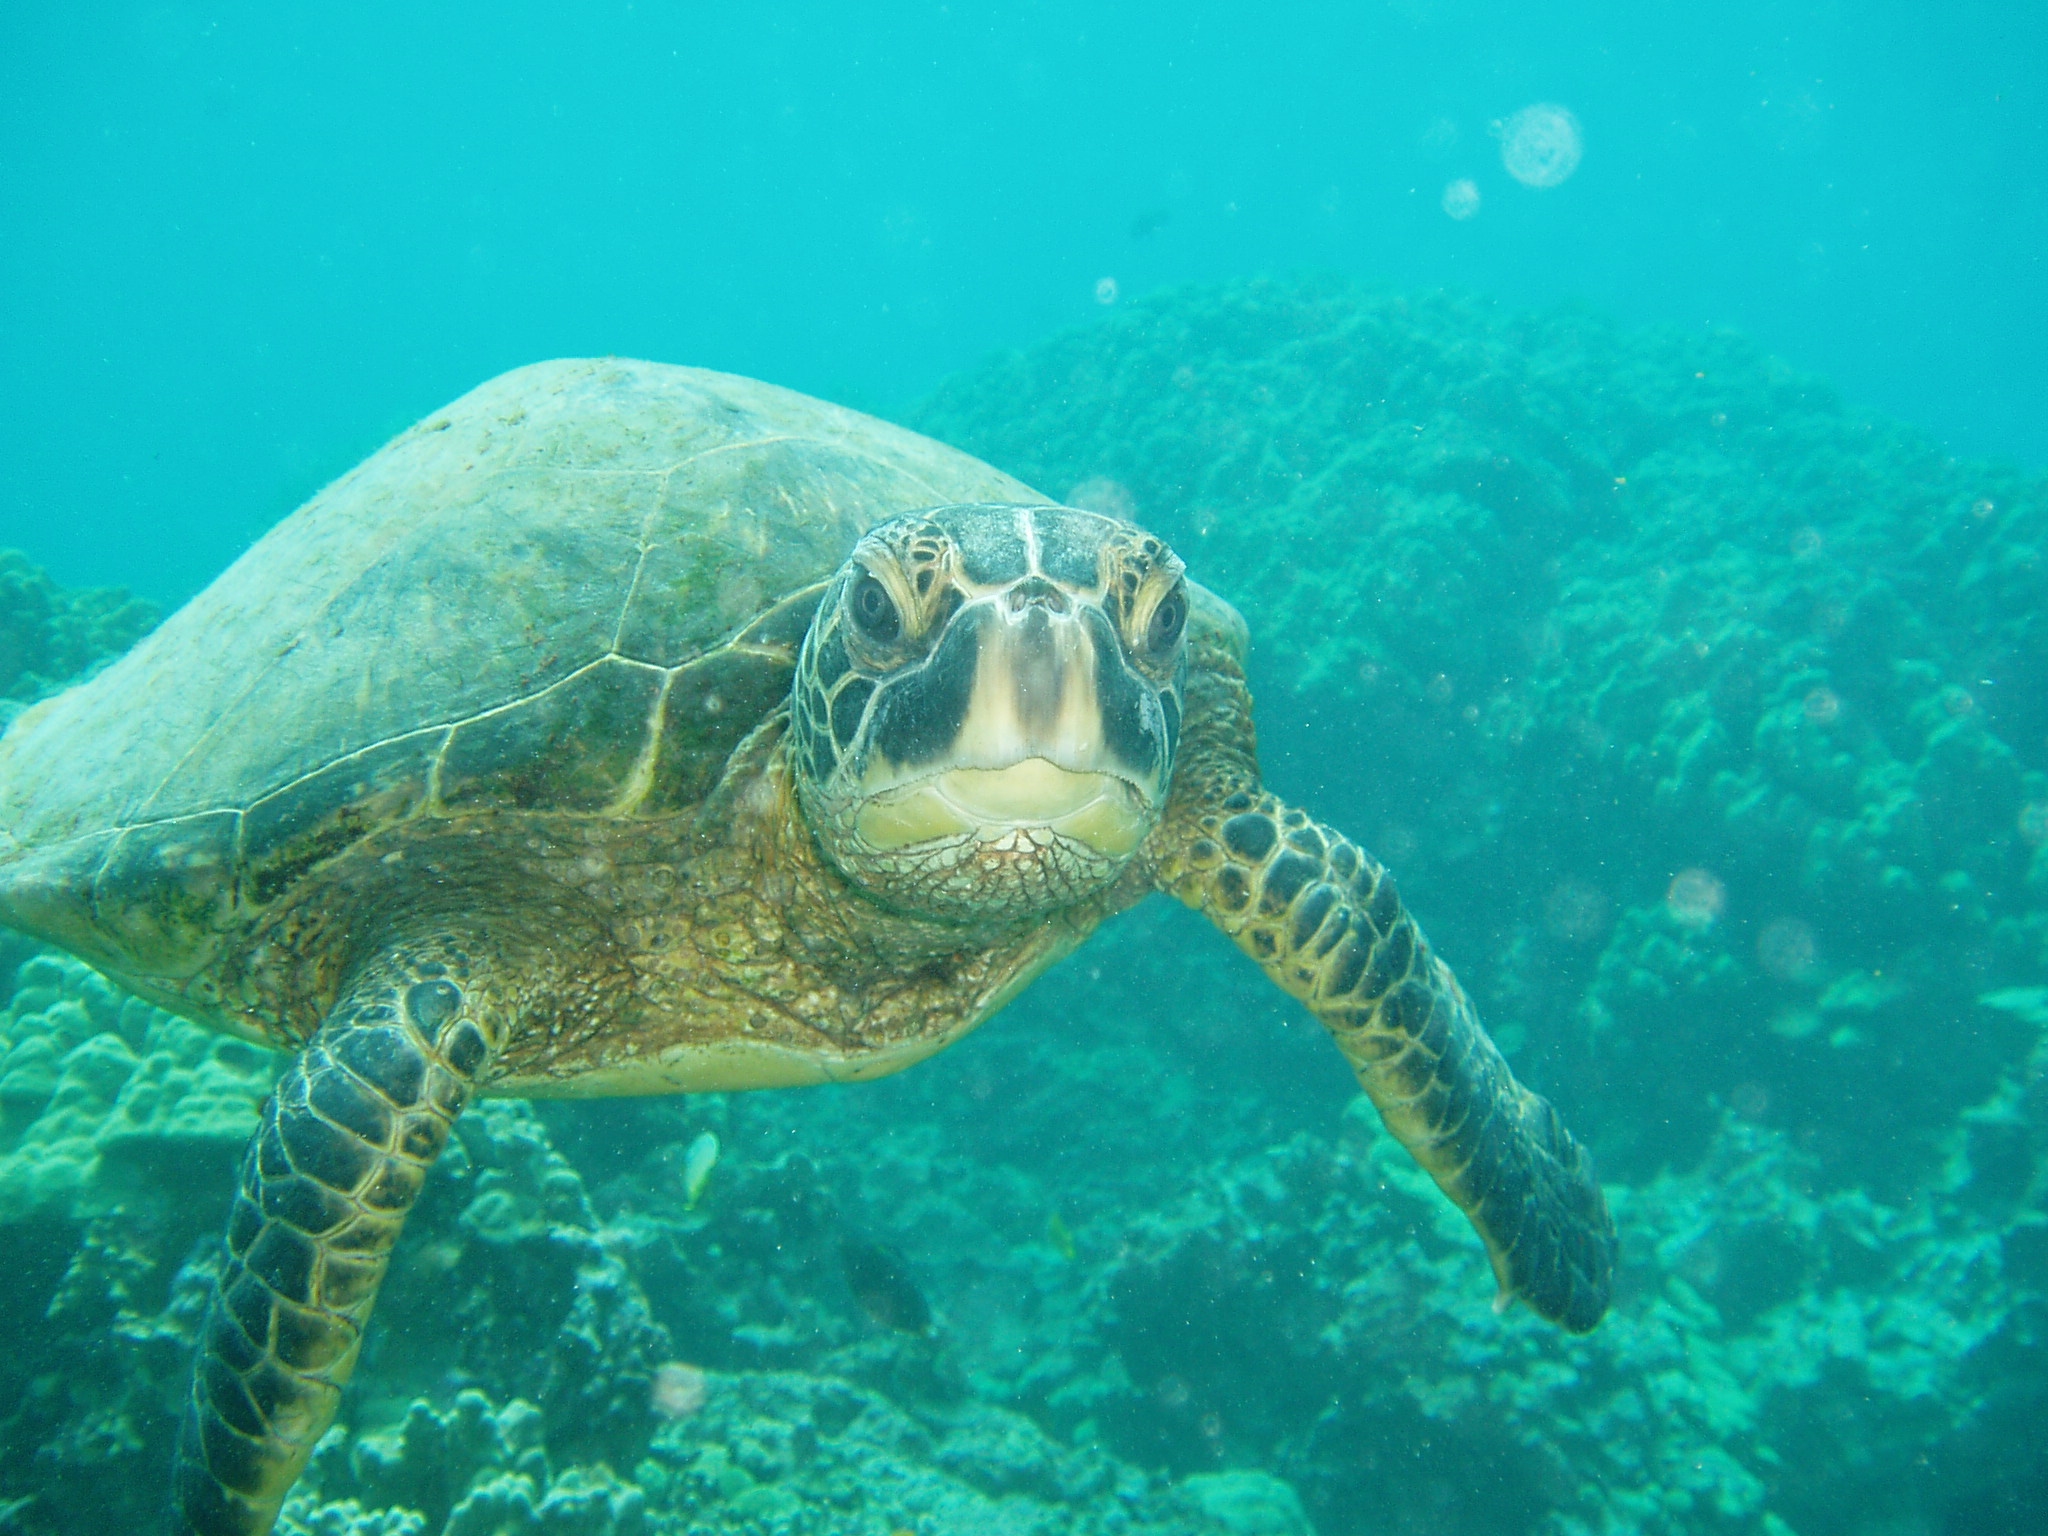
[52, 635]
[1705, 719]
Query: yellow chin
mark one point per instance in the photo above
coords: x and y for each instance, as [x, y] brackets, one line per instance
[1100, 810]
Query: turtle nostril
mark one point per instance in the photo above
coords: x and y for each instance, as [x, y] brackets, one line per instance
[1037, 592]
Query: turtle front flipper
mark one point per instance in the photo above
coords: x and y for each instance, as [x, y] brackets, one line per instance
[1323, 918]
[343, 1146]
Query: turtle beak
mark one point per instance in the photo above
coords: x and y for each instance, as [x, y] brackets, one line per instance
[1026, 723]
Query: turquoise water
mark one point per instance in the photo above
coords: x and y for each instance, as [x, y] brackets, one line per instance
[1621, 430]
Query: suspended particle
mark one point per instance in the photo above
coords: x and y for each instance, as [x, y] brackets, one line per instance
[1576, 912]
[1696, 898]
[2033, 823]
[677, 1391]
[1099, 493]
[1822, 706]
[1750, 1100]
[1540, 145]
[1105, 290]
[1787, 950]
[1461, 198]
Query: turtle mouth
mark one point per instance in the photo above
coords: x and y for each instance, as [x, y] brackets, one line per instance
[1019, 806]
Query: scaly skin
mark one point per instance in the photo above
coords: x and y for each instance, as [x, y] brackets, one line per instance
[1324, 921]
[343, 1147]
[573, 958]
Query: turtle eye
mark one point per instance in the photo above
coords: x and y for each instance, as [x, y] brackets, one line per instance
[1162, 632]
[874, 610]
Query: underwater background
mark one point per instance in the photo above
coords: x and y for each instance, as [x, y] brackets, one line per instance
[1622, 428]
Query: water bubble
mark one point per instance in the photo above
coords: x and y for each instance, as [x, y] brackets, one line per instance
[1099, 493]
[2034, 822]
[1575, 911]
[1105, 290]
[1696, 897]
[1397, 844]
[677, 1390]
[1822, 706]
[1540, 145]
[1461, 198]
[1752, 1101]
[1786, 949]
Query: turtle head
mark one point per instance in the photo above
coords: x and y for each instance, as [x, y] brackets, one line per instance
[986, 707]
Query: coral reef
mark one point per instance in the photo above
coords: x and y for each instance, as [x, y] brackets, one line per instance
[51, 635]
[120, 1129]
[1547, 612]
[1705, 721]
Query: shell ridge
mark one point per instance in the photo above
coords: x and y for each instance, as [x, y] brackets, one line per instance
[385, 538]
[641, 778]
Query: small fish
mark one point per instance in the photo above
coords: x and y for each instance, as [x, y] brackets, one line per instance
[883, 1287]
[697, 1165]
[1060, 1236]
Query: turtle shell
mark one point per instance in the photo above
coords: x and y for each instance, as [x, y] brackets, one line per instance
[570, 593]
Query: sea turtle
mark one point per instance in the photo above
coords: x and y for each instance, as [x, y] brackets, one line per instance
[626, 728]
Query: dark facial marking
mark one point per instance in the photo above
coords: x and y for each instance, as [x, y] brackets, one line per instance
[846, 710]
[829, 660]
[919, 715]
[1127, 727]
